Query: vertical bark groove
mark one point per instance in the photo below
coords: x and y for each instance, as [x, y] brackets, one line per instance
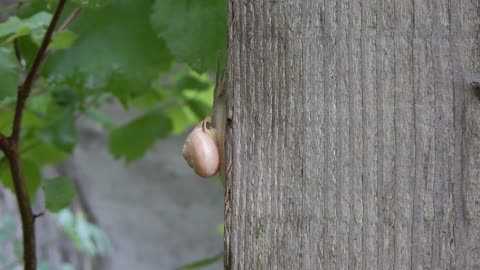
[354, 145]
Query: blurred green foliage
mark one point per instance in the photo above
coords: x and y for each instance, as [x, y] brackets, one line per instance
[85, 236]
[152, 55]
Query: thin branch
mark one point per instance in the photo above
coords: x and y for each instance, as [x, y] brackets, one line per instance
[66, 24]
[10, 147]
[3, 142]
[18, 55]
[23, 201]
[25, 89]
[35, 216]
[70, 18]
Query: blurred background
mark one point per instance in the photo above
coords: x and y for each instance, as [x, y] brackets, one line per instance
[123, 84]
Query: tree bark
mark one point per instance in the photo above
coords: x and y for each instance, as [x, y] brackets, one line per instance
[354, 143]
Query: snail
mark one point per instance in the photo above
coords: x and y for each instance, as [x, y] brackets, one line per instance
[201, 151]
[204, 148]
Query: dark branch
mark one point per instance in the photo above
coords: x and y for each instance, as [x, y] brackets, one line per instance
[25, 89]
[18, 55]
[35, 216]
[70, 18]
[10, 147]
[66, 24]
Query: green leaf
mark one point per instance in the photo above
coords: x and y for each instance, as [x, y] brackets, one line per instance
[21, 27]
[31, 172]
[199, 108]
[63, 40]
[59, 192]
[195, 31]
[193, 81]
[59, 129]
[103, 119]
[9, 72]
[133, 139]
[180, 119]
[33, 177]
[65, 96]
[202, 263]
[119, 55]
[6, 120]
[86, 236]
[150, 99]
[44, 153]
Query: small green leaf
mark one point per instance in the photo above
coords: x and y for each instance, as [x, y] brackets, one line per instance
[133, 139]
[33, 177]
[59, 192]
[6, 120]
[31, 173]
[103, 119]
[192, 81]
[10, 26]
[64, 96]
[200, 109]
[20, 27]
[63, 40]
[44, 153]
[85, 236]
[9, 71]
[59, 130]
[179, 119]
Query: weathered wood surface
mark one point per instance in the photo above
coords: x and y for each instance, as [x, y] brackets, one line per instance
[354, 145]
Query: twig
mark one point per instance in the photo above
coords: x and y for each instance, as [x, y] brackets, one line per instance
[17, 52]
[66, 24]
[35, 216]
[25, 89]
[10, 147]
[70, 18]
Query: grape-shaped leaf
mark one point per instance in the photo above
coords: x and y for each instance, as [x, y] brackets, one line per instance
[59, 192]
[133, 139]
[16, 27]
[116, 47]
[195, 31]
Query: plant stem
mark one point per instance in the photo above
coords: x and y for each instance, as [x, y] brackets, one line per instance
[25, 89]
[28, 226]
[10, 146]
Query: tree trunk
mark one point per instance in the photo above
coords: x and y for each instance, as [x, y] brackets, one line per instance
[355, 143]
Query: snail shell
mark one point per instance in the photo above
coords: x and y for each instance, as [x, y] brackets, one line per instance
[200, 150]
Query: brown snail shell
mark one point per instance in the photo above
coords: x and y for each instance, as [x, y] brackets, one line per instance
[200, 150]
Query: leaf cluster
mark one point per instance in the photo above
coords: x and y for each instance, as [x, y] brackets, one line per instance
[151, 55]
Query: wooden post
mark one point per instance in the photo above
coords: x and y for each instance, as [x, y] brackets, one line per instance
[353, 143]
